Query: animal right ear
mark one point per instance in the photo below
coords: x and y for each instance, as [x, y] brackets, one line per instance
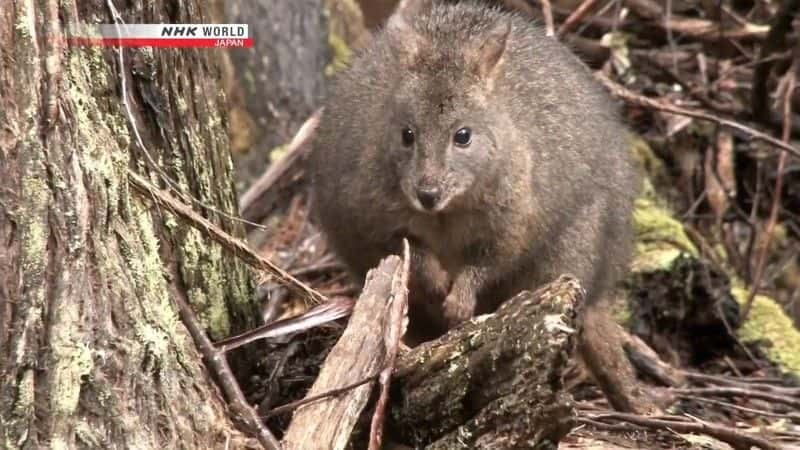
[400, 26]
[409, 8]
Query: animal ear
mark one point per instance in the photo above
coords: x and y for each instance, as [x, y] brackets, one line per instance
[408, 8]
[400, 26]
[491, 49]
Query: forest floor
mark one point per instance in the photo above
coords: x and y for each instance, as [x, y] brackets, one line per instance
[704, 83]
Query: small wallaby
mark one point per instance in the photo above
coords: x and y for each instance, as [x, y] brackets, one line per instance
[492, 148]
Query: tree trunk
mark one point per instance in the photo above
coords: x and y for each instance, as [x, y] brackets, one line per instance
[276, 86]
[94, 354]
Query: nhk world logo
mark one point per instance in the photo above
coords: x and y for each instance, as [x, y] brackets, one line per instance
[163, 35]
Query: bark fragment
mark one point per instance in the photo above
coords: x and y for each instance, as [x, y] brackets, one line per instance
[360, 353]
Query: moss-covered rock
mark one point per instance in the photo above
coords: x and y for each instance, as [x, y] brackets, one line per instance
[769, 326]
[660, 239]
[662, 242]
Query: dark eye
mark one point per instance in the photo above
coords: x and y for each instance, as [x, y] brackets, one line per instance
[463, 137]
[408, 137]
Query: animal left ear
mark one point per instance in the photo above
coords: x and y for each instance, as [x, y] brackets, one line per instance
[490, 49]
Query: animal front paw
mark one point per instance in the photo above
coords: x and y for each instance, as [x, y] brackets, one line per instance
[457, 310]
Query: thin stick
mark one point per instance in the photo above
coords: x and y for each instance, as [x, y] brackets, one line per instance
[391, 340]
[778, 31]
[237, 246]
[547, 12]
[218, 364]
[294, 150]
[572, 21]
[741, 382]
[636, 99]
[732, 436]
[304, 401]
[329, 311]
[739, 392]
[761, 262]
[758, 412]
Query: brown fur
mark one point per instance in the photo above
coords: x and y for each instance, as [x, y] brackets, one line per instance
[545, 187]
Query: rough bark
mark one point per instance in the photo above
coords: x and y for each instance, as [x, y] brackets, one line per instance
[495, 382]
[93, 352]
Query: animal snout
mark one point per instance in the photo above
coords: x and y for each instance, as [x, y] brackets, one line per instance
[428, 196]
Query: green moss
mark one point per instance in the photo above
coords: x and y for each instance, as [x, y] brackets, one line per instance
[34, 234]
[103, 141]
[161, 325]
[645, 158]
[650, 167]
[26, 20]
[345, 29]
[621, 313]
[25, 394]
[277, 153]
[768, 325]
[660, 239]
[183, 108]
[87, 435]
[341, 54]
[202, 267]
[72, 363]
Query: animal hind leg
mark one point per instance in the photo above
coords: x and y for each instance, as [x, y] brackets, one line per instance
[600, 346]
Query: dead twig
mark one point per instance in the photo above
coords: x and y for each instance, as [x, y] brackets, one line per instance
[358, 354]
[547, 12]
[391, 340]
[218, 364]
[329, 311]
[237, 246]
[761, 262]
[304, 401]
[699, 29]
[706, 29]
[318, 268]
[739, 392]
[778, 31]
[758, 412]
[758, 384]
[732, 436]
[572, 21]
[296, 148]
[645, 102]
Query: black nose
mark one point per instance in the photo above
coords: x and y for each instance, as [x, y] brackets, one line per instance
[428, 197]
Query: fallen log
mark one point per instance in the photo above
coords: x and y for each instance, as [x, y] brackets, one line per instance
[494, 382]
